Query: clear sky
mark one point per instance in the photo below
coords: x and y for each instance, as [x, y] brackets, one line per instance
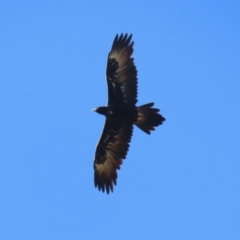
[181, 182]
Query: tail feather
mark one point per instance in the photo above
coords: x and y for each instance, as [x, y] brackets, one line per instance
[148, 118]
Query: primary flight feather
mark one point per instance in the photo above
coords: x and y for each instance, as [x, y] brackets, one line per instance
[121, 113]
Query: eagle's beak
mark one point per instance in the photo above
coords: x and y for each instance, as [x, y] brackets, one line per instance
[94, 110]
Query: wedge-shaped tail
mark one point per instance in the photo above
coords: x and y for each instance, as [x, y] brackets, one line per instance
[148, 118]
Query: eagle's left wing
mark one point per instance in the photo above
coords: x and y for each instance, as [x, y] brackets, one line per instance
[121, 72]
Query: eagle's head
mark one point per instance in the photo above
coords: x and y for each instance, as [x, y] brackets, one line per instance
[106, 111]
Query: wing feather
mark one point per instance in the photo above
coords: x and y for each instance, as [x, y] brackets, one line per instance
[121, 71]
[111, 149]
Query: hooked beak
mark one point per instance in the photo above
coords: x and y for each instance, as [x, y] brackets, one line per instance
[94, 110]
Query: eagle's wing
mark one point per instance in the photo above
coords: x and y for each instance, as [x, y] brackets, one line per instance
[121, 72]
[111, 149]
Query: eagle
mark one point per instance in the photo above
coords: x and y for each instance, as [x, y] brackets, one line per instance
[121, 113]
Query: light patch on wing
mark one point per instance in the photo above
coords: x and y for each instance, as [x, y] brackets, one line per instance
[106, 174]
[107, 169]
[121, 57]
[104, 169]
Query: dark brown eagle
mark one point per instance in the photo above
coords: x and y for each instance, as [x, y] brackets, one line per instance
[121, 114]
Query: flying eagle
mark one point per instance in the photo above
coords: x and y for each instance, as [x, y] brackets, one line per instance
[121, 114]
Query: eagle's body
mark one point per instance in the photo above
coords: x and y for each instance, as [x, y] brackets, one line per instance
[121, 113]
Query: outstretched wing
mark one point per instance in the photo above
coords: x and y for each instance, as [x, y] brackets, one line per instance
[121, 71]
[111, 149]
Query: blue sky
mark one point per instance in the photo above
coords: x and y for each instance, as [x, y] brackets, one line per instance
[181, 182]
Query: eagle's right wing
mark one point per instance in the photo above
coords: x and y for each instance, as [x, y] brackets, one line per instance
[111, 149]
